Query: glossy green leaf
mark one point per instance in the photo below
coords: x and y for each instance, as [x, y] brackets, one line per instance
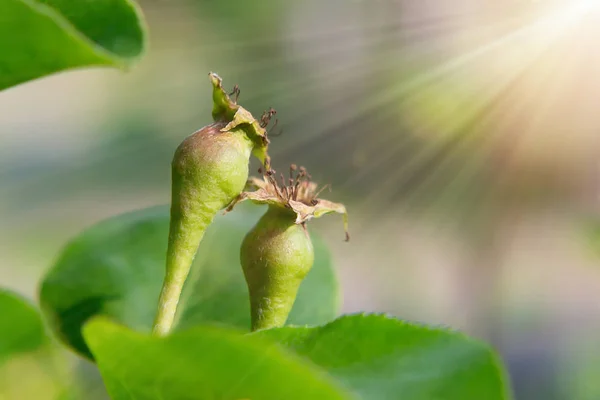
[379, 357]
[116, 269]
[204, 363]
[41, 37]
[21, 328]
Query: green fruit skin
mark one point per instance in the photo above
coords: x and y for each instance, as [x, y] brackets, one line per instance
[276, 255]
[209, 170]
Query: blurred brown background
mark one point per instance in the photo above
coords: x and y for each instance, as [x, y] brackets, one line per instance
[462, 135]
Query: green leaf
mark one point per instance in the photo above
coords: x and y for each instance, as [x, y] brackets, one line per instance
[21, 328]
[38, 38]
[201, 363]
[379, 357]
[30, 365]
[116, 269]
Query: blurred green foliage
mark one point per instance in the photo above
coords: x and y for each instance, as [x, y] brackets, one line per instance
[38, 38]
[116, 269]
[21, 328]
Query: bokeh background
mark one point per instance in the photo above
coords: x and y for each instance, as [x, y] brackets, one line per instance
[464, 137]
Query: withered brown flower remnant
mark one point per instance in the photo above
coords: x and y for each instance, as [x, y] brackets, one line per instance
[297, 193]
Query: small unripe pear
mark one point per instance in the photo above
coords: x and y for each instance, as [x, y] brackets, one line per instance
[277, 254]
[209, 170]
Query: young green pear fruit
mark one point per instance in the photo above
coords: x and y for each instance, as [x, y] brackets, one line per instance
[277, 254]
[209, 171]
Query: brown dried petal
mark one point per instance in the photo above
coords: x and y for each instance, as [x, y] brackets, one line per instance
[305, 212]
[266, 194]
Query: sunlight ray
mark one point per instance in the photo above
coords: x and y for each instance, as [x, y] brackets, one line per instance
[381, 35]
[545, 30]
[480, 147]
[430, 151]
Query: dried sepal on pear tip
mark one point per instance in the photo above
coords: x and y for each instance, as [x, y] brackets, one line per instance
[226, 109]
[298, 193]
